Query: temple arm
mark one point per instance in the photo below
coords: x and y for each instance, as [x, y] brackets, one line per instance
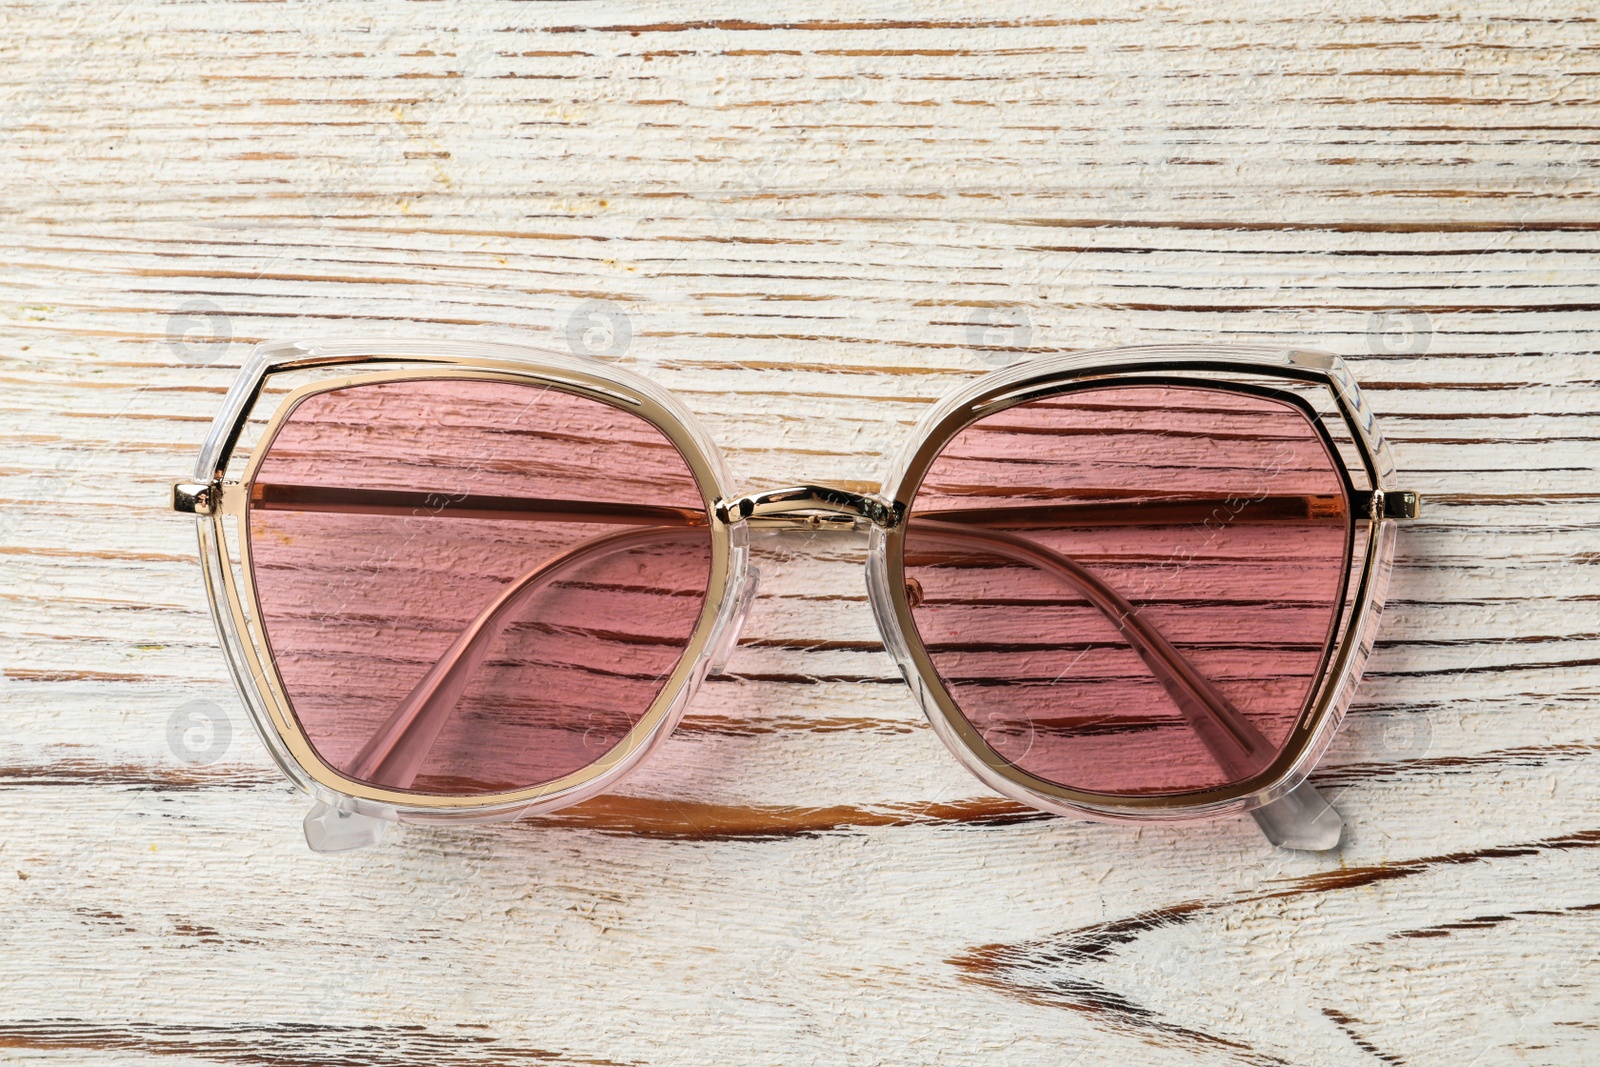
[395, 753]
[1233, 741]
[1301, 819]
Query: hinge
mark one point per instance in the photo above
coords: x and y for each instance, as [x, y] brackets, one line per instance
[1401, 504]
[1387, 503]
[190, 498]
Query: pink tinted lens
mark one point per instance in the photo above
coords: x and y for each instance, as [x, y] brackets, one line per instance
[1130, 590]
[473, 586]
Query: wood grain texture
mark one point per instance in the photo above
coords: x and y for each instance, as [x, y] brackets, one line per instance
[816, 222]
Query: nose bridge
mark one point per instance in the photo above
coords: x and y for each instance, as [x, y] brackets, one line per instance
[810, 507]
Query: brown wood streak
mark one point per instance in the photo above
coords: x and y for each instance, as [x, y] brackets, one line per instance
[24, 674]
[692, 820]
[1487, 922]
[708, 725]
[284, 1044]
[1005, 968]
[1440, 226]
[1333, 775]
[72, 771]
[826, 25]
[1347, 1024]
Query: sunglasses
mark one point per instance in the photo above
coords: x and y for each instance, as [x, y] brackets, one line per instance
[473, 582]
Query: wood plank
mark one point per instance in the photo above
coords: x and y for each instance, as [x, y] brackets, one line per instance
[809, 218]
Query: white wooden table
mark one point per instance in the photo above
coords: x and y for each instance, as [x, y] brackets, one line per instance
[811, 222]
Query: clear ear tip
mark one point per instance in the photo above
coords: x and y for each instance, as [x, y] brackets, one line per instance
[332, 829]
[1301, 820]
